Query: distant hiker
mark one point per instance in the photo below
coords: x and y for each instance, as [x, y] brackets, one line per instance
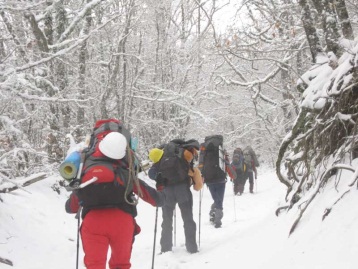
[251, 162]
[240, 167]
[214, 164]
[245, 163]
[108, 204]
[174, 173]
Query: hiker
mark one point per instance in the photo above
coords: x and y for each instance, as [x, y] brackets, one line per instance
[108, 204]
[214, 164]
[245, 163]
[251, 163]
[241, 171]
[174, 173]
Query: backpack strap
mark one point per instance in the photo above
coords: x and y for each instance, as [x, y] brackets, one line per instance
[133, 172]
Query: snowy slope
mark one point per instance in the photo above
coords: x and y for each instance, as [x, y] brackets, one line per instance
[36, 233]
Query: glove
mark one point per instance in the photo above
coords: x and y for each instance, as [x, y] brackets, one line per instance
[160, 182]
[159, 187]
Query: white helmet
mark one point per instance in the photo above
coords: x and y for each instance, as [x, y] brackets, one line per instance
[113, 145]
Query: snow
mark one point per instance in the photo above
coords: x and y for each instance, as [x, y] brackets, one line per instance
[36, 233]
[323, 81]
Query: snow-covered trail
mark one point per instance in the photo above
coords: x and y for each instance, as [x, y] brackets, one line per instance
[237, 239]
[36, 233]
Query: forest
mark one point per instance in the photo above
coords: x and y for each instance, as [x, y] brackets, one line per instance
[278, 75]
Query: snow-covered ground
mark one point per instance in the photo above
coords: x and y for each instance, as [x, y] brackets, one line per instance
[36, 233]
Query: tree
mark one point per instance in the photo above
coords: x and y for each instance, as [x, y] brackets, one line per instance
[323, 138]
[69, 63]
[260, 54]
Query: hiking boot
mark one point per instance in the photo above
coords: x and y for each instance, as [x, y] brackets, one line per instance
[193, 251]
[162, 252]
[218, 216]
[212, 213]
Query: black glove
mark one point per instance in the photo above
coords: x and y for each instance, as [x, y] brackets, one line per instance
[160, 182]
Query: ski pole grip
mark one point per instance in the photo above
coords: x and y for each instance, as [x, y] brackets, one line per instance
[88, 182]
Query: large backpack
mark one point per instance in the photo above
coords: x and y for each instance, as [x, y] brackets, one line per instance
[114, 183]
[250, 158]
[212, 160]
[238, 161]
[173, 166]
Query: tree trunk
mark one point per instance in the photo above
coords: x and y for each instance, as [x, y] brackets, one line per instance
[15, 39]
[343, 16]
[129, 12]
[82, 69]
[330, 28]
[311, 32]
[61, 74]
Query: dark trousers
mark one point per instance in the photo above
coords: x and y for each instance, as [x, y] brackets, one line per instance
[239, 186]
[217, 191]
[240, 181]
[251, 181]
[186, 209]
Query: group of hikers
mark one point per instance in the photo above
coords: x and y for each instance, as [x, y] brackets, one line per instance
[106, 188]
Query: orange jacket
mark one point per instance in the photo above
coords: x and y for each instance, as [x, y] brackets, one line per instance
[194, 173]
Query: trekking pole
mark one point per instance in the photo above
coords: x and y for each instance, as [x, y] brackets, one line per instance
[234, 203]
[255, 184]
[200, 198]
[175, 227]
[78, 216]
[155, 235]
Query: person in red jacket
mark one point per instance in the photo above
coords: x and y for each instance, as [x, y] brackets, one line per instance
[111, 225]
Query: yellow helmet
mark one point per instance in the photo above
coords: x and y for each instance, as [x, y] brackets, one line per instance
[155, 155]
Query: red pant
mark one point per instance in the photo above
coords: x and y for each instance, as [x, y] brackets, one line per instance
[104, 228]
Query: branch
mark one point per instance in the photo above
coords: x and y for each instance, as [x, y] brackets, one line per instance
[325, 176]
[278, 210]
[25, 184]
[39, 35]
[77, 19]
[329, 209]
[296, 130]
[6, 261]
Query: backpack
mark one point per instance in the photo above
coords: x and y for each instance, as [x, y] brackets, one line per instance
[173, 166]
[250, 158]
[114, 183]
[212, 159]
[238, 161]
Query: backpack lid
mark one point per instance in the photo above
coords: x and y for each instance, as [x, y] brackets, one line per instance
[113, 145]
[103, 127]
[192, 143]
[216, 140]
